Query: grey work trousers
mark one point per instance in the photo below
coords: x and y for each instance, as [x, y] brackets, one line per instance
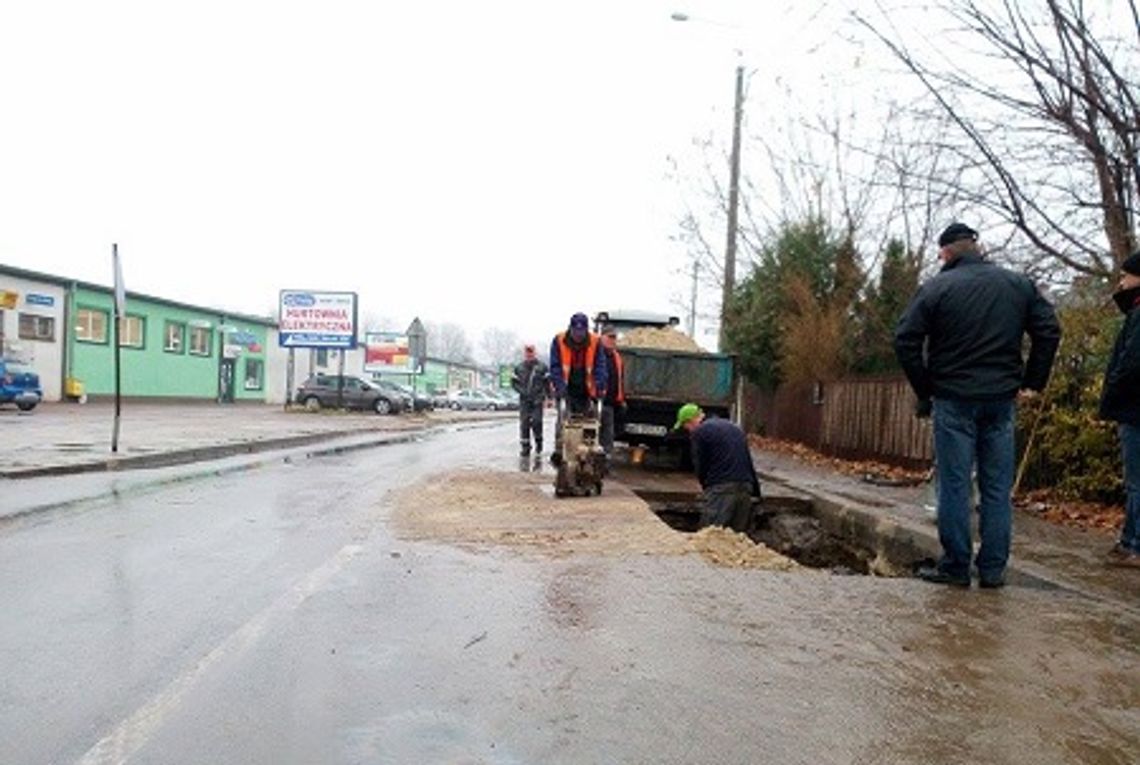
[530, 421]
[728, 504]
[607, 434]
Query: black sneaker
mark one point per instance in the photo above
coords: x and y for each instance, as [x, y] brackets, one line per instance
[935, 575]
[991, 582]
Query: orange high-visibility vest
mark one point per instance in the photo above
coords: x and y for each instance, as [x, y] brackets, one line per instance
[620, 382]
[566, 355]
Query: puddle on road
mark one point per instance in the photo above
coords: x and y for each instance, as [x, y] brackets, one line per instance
[787, 525]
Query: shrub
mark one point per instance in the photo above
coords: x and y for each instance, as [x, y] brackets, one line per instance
[1072, 451]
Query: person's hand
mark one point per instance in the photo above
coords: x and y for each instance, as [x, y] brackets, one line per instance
[1025, 396]
[923, 408]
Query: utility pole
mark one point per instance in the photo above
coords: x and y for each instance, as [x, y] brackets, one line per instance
[733, 198]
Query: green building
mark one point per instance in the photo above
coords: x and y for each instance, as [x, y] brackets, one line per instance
[168, 350]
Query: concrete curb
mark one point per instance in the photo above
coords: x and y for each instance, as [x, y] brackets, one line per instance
[272, 454]
[208, 471]
[175, 457]
[899, 541]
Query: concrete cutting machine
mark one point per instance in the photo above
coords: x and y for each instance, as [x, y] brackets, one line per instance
[581, 461]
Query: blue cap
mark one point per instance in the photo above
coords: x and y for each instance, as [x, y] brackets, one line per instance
[579, 321]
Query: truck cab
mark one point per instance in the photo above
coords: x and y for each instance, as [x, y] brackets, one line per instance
[624, 320]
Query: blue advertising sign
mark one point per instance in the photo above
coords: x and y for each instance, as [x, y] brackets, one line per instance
[317, 319]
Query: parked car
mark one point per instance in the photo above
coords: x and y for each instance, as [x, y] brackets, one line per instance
[396, 390]
[440, 399]
[421, 400]
[417, 401]
[477, 400]
[321, 390]
[509, 398]
[19, 385]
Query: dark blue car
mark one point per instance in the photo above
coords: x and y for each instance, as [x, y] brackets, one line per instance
[19, 385]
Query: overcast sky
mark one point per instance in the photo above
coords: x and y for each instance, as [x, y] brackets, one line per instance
[486, 163]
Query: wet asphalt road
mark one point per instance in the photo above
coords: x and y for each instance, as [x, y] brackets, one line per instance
[270, 616]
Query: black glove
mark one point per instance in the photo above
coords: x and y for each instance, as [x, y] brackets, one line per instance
[923, 408]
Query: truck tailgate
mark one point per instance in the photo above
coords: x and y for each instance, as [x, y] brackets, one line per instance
[703, 378]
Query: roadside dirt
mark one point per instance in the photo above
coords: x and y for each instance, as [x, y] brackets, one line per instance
[1043, 504]
[481, 510]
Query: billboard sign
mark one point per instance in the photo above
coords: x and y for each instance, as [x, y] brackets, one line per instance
[317, 319]
[387, 352]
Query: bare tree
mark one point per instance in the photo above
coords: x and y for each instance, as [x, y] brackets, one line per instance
[1046, 107]
[370, 321]
[448, 341]
[863, 170]
[500, 346]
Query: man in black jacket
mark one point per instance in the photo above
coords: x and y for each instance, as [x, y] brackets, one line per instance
[531, 380]
[1120, 402]
[959, 343]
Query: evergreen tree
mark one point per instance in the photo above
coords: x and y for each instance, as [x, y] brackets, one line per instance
[881, 308]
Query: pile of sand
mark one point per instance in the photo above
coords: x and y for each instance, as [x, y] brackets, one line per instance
[726, 547]
[658, 338]
[480, 510]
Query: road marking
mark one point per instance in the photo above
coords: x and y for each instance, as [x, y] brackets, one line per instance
[134, 732]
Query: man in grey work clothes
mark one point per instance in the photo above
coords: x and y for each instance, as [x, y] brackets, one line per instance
[723, 464]
[959, 343]
[531, 380]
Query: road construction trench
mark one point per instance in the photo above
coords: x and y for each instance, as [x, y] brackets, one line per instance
[787, 525]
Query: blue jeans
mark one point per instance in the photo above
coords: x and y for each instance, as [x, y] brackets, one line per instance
[1130, 451]
[968, 433]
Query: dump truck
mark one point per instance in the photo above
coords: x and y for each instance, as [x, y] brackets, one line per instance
[664, 368]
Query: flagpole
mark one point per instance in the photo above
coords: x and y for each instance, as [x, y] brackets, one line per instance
[119, 308]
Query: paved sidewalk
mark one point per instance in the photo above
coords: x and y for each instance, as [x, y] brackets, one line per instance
[1043, 552]
[59, 439]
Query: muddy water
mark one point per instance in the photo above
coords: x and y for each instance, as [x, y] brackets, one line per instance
[611, 645]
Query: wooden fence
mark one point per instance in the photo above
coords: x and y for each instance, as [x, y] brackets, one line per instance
[857, 418]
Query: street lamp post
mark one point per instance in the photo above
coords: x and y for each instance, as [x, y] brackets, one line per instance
[729, 283]
[733, 198]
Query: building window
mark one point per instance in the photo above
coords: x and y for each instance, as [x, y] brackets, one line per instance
[322, 357]
[253, 370]
[174, 337]
[36, 327]
[200, 341]
[131, 331]
[91, 325]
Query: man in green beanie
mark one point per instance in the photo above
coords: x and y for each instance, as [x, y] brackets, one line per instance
[723, 464]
